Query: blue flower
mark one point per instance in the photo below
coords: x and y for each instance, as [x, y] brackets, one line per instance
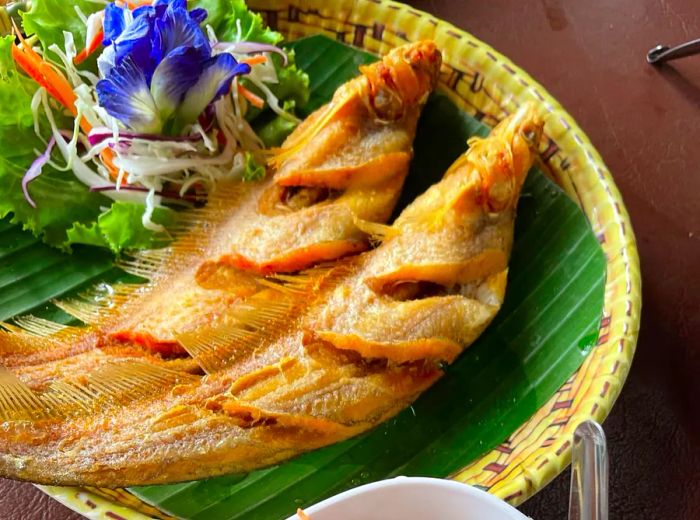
[158, 68]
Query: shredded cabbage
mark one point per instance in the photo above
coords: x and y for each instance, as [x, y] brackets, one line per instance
[135, 168]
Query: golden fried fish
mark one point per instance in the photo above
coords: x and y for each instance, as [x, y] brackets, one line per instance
[345, 163]
[339, 172]
[309, 360]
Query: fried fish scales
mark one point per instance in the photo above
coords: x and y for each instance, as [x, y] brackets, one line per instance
[438, 282]
[320, 376]
[344, 170]
[346, 161]
[317, 207]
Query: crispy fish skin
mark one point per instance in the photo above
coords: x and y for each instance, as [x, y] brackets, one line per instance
[174, 306]
[327, 375]
[436, 284]
[349, 163]
[365, 183]
[223, 423]
[346, 161]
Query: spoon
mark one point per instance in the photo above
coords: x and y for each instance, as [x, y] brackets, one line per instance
[662, 53]
[588, 496]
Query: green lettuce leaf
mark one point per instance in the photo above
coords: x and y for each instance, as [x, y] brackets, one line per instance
[49, 18]
[61, 199]
[292, 90]
[274, 132]
[273, 129]
[67, 212]
[223, 14]
[293, 82]
[253, 170]
[120, 228]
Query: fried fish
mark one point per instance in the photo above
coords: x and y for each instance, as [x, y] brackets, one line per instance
[308, 360]
[345, 164]
[340, 172]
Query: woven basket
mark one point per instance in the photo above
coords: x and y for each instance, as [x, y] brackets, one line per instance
[488, 86]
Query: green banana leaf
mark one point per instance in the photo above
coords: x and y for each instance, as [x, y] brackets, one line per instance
[548, 324]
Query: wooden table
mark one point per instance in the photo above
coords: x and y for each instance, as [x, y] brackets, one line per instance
[646, 124]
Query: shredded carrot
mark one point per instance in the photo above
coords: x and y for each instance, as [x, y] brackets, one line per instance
[133, 4]
[254, 60]
[107, 156]
[87, 51]
[302, 515]
[58, 87]
[44, 73]
[254, 99]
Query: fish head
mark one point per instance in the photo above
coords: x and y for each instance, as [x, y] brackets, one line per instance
[491, 173]
[522, 132]
[402, 80]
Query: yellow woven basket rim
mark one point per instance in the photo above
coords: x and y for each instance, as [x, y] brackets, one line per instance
[487, 85]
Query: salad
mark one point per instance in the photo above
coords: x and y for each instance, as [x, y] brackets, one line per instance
[114, 114]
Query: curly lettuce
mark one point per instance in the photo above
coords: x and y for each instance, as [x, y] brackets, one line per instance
[63, 202]
[67, 212]
[48, 19]
[61, 198]
[224, 17]
[120, 228]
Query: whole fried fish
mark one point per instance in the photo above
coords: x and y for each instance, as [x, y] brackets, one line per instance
[340, 172]
[308, 360]
[344, 165]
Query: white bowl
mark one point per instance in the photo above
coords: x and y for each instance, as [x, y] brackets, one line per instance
[413, 498]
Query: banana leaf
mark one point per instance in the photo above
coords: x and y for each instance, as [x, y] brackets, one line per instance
[548, 324]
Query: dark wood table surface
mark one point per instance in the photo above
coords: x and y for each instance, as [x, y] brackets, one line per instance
[646, 124]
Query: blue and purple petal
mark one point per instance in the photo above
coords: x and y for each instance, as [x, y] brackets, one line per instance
[182, 4]
[176, 29]
[135, 42]
[114, 23]
[198, 15]
[160, 65]
[125, 95]
[173, 77]
[214, 82]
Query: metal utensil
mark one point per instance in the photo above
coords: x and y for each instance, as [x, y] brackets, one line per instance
[662, 53]
[588, 496]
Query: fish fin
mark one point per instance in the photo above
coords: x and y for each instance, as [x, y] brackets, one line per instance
[312, 281]
[100, 302]
[279, 155]
[86, 312]
[15, 340]
[39, 326]
[112, 384]
[17, 400]
[377, 232]
[220, 347]
[282, 287]
[295, 284]
[144, 265]
[190, 233]
[260, 320]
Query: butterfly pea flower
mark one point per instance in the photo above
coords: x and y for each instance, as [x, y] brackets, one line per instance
[158, 70]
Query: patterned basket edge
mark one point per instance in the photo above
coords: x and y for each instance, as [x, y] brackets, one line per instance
[540, 449]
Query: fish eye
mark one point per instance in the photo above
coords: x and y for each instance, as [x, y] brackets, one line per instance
[529, 135]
